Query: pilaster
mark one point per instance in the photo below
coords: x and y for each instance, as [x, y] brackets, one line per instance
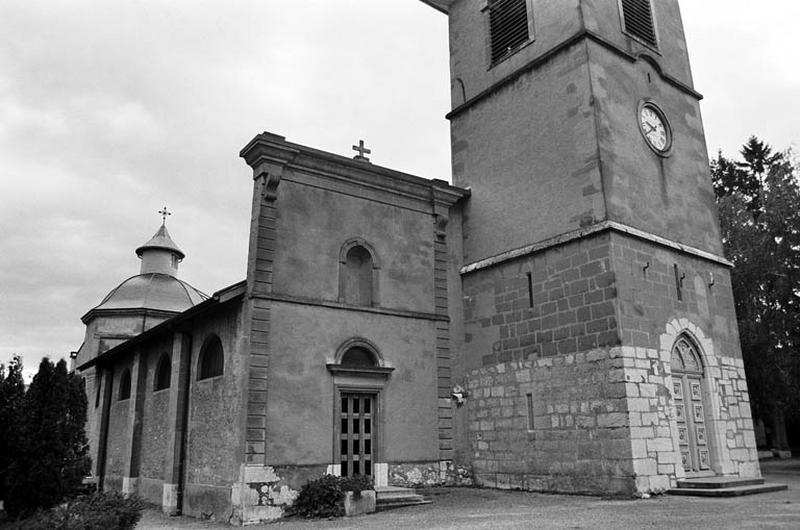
[133, 453]
[106, 380]
[444, 385]
[268, 155]
[177, 411]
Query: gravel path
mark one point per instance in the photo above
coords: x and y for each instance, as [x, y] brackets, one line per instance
[477, 508]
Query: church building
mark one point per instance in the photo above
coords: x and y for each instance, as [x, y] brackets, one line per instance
[559, 318]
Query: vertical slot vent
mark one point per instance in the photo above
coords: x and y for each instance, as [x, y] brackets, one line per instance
[529, 400]
[530, 289]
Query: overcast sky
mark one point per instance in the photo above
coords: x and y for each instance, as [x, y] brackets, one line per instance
[110, 109]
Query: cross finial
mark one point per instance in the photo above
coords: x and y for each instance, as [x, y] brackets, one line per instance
[164, 213]
[361, 151]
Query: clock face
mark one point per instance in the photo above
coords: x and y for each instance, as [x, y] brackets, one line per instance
[654, 128]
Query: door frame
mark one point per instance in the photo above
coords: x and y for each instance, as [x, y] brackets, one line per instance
[359, 380]
[377, 422]
[684, 377]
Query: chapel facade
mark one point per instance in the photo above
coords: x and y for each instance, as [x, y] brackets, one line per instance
[559, 318]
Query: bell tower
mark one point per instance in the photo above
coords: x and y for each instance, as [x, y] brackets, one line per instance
[591, 250]
[549, 103]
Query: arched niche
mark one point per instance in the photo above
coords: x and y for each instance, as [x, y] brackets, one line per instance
[359, 266]
[124, 385]
[163, 373]
[212, 359]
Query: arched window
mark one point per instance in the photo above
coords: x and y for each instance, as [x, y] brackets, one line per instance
[163, 373]
[212, 360]
[358, 273]
[125, 385]
[358, 357]
[685, 357]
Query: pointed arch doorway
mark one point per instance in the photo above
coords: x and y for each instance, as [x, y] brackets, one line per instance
[690, 409]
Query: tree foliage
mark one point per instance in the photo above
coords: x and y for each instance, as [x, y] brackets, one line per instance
[759, 207]
[45, 454]
[12, 394]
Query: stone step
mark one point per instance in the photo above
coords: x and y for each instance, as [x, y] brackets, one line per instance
[719, 482]
[389, 497]
[391, 490]
[734, 491]
[390, 505]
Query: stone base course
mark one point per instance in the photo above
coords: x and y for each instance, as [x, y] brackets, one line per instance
[576, 437]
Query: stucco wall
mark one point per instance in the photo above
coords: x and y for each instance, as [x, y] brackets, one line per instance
[603, 17]
[529, 154]
[213, 446]
[310, 238]
[553, 23]
[118, 444]
[300, 418]
[668, 196]
[469, 42]
[155, 418]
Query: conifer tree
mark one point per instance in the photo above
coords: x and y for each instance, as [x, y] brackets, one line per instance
[758, 200]
[51, 460]
[12, 393]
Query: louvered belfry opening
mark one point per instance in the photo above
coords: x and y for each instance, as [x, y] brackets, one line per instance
[638, 18]
[508, 26]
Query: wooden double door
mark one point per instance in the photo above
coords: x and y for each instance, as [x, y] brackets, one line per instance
[356, 433]
[690, 410]
[691, 419]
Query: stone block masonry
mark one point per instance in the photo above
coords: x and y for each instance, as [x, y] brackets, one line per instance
[552, 424]
[652, 318]
[560, 301]
[567, 359]
[547, 406]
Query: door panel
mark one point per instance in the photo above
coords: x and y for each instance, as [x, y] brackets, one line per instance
[355, 434]
[690, 417]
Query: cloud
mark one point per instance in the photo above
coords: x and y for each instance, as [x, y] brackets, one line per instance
[110, 109]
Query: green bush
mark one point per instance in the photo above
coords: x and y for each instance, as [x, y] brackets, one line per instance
[356, 484]
[99, 511]
[324, 497]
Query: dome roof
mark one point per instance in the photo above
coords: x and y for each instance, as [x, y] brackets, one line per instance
[152, 291]
[161, 240]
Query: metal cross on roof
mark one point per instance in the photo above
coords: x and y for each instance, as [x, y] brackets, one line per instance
[361, 151]
[164, 213]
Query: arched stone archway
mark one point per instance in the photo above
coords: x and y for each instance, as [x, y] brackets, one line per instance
[714, 385]
[689, 402]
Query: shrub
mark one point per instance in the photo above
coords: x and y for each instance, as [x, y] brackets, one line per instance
[356, 484]
[324, 497]
[320, 498]
[99, 511]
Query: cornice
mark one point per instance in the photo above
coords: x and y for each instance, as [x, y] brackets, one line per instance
[558, 49]
[603, 226]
